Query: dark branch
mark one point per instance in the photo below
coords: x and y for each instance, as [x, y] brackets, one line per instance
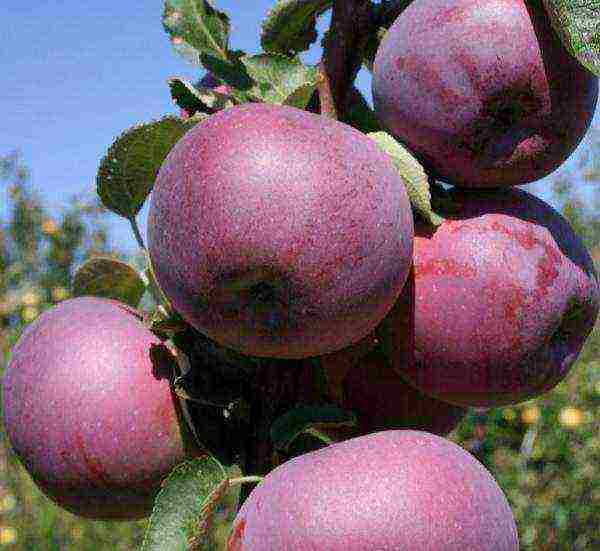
[350, 27]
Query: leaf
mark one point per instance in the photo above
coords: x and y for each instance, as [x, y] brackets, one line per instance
[109, 278]
[184, 506]
[196, 28]
[308, 419]
[359, 113]
[281, 80]
[412, 173]
[197, 98]
[577, 22]
[127, 172]
[232, 72]
[291, 26]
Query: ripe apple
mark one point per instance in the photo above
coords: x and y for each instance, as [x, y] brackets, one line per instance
[404, 490]
[281, 233]
[505, 297]
[89, 411]
[483, 92]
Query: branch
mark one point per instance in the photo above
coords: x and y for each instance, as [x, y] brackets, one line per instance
[390, 10]
[325, 94]
[350, 26]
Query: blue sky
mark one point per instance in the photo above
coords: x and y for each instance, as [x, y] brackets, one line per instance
[77, 73]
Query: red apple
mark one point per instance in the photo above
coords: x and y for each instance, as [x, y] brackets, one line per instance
[483, 92]
[505, 297]
[405, 490]
[277, 232]
[89, 411]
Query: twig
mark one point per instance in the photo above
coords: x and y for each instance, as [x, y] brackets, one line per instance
[137, 233]
[325, 95]
[350, 26]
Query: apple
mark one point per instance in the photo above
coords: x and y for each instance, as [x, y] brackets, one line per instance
[406, 490]
[505, 297]
[89, 411]
[280, 233]
[484, 93]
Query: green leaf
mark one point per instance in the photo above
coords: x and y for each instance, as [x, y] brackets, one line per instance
[291, 26]
[413, 175]
[184, 506]
[197, 98]
[577, 22]
[308, 419]
[232, 72]
[109, 278]
[360, 115]
[196, 28]
[128, 170]
[281, 80]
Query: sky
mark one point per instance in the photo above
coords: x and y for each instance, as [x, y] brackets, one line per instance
[75, 74]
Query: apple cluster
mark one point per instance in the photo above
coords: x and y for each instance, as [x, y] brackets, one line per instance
[280, 233]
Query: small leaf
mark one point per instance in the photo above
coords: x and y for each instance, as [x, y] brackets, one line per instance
[184, 506]
[577, 22]
[196, 28]
[198, 98]
[359, 113]
[232, 72]
[281, 80]
[307, 419]
[413, 175]
[128, 170]
[109, 278]
[291, 26]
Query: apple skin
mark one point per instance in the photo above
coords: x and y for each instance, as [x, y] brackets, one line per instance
[90, 414]
[280, 233]
[483, 92]
[362, 380]
[505, 297]
[382, 400]
[404, 490]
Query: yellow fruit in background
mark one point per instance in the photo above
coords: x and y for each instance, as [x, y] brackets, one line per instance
[571, 417]
[531, 415]
[49, 227]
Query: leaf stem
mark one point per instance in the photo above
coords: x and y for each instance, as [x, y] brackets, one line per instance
[137, 233]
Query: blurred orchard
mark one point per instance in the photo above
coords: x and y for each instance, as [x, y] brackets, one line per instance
[544, 453]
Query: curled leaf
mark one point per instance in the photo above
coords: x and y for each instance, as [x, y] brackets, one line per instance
[281, 80]
[109, 278]
[577, 22]
[185, 505]
[127, 172]
[291, 26]
[308, 419]
[196, 27]
[197, 98]
[413, 175]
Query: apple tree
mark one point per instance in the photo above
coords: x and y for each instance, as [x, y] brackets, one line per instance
[302, 245]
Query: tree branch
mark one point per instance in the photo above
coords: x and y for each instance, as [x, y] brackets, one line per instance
[326, 95]
[350, 26]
